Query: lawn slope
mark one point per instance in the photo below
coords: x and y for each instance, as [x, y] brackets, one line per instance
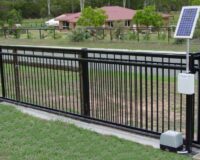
[23, 137]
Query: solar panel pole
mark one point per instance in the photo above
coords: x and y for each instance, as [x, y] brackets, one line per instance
[188, 56]
[186, 81]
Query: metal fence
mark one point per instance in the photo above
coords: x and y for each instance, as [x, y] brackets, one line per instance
[98, 33]
[28, 33]
[135, 91]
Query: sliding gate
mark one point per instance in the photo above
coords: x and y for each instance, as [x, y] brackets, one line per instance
[135, 91]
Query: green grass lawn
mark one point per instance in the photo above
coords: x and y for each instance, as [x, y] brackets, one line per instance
[26, 138]
[101, 44]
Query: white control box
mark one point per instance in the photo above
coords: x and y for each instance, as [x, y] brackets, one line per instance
[186, 83]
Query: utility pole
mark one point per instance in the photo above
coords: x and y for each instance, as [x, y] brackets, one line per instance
[49, 7]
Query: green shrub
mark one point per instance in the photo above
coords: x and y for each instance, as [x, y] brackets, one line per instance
[131, 35]
[79, 35]
[1, 33]
[117, 33]
[197, 34]
[146, 36]
[42, 36]
[16, 33]
[162, 36]
[179, 41]
[29, 35]
[56, 36]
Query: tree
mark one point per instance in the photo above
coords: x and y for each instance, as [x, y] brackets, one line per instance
[92, 17]
[148, 17]
[14, 17]
[195, 2]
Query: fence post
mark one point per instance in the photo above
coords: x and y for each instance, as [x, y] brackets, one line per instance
[16, 75]
[40, 33]
[84, 83]
[54, 33]
[168, 34]
[5, 33]
[138, 36]
[189, 113]
[111, 38]
[2, 74]
[27, 34]
[103, 34]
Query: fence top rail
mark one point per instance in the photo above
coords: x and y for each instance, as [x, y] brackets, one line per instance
[167, 54]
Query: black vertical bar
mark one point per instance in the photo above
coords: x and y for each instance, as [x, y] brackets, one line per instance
[136, 93]
[146, 95]
[189, 113]
[73, 87]
[91, 88]
[189, 125]
[34, 79]
[141, 99]
[126, 94]
[8, 81]
[163, 104]
[157, 99]
[131, 93]
[16, 74]
[77, 89]
[120, 94]
[84, 82]
[152, 111]
[169, 96]
[29, 80]
[2, 74]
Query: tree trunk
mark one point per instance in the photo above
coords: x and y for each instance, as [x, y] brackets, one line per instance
[82, 4]
[124, 3]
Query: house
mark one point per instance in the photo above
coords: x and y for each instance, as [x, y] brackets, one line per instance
[115, 15]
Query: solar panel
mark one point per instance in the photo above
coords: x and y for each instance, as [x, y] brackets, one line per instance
[187, 22]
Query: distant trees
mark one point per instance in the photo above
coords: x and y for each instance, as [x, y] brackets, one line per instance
[39, 8]
[195, 2]
[92, 17]
[10, 18]
[14, 17]
[148, 17]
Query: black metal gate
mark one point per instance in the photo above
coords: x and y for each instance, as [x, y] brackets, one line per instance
[135, 91]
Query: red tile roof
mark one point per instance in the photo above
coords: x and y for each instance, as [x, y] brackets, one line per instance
[69, 17]
[114, 13]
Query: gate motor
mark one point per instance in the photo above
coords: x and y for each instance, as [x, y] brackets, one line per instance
[171, 140]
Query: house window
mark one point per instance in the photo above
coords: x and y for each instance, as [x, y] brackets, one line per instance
[110, 24]
[65, 25]
[128, 23]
